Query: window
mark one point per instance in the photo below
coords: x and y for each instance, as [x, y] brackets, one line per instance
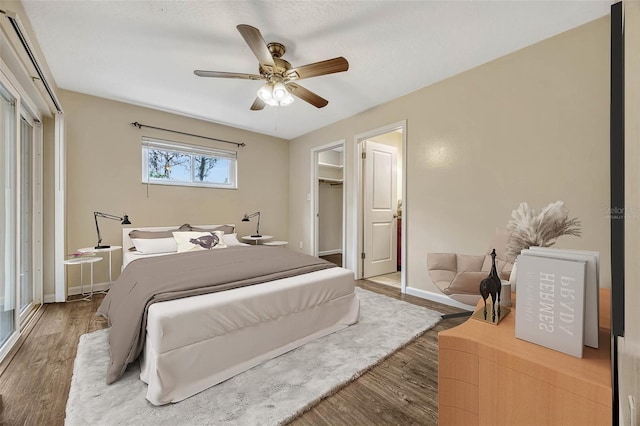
[172, 163]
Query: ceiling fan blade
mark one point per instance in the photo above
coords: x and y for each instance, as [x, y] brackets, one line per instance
[220, 74]
[329, 66]
[307, 95]
[253, 38]
[257, 105]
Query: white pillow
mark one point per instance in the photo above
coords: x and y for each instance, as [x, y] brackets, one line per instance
[155, 245]
[192, 241]
[231, 240]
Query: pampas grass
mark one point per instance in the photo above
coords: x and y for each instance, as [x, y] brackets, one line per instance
[539, 229]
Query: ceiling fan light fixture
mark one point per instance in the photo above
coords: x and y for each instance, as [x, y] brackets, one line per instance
[265, 93]
[275, 94]
[288, 99]
[279, 91]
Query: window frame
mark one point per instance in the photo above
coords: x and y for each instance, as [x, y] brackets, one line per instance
[190, 150]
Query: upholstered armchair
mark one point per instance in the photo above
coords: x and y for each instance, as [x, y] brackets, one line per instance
[459, 275]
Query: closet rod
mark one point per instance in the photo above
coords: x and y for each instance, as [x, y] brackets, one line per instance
[140, 126]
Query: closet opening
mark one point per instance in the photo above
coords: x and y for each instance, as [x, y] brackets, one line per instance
[329, 203]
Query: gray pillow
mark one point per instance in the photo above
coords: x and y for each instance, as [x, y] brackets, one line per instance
[158, 234]
[151, 234]
[227, 229]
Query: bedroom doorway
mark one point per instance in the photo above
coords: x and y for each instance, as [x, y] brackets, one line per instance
[328, 202]
[380, 194]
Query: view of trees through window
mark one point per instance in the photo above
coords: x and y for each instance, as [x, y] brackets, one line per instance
[174, 166]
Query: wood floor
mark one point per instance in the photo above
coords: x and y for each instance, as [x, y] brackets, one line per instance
[333, 258]
[35, 381]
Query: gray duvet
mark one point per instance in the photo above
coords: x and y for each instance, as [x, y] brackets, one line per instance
[162, 278]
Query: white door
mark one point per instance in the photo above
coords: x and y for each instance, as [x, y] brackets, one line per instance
[380, 201]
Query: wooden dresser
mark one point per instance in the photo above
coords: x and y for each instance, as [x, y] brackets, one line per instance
[486, 376]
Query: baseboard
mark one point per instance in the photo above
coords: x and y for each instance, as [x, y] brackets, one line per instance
[72, 291]
[440, 298]
[329, 252]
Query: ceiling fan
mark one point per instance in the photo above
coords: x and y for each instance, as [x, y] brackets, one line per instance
[278, 73]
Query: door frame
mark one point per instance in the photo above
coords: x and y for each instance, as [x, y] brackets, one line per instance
[357, 232]
[36, 218]
[314, 196]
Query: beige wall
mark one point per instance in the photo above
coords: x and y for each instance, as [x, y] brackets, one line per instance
[104, 174]
[629, 346]
[530, 126]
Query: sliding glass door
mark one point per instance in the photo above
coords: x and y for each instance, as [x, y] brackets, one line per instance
[20, 214]
[7, 214]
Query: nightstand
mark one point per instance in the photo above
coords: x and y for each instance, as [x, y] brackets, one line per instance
[276, 243]
[102, 250]
[82, 261]
[257, 239]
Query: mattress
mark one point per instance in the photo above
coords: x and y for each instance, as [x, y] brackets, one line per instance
[194, 343]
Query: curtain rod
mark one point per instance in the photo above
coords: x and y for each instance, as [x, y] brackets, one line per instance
[140, 126]
[13, 19]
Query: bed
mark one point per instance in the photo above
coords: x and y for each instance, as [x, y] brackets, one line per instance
[193, 343]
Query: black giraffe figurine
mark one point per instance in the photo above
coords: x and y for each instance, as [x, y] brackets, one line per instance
[491, 286]
[496, 284]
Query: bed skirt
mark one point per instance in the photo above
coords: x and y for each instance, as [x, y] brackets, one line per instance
[197, 342]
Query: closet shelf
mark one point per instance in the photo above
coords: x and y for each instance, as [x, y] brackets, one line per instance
[330, 180]
[333, 166]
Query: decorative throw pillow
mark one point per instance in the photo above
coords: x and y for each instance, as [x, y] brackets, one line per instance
[192, 241]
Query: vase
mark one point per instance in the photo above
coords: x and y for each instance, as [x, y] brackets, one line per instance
[513, 277]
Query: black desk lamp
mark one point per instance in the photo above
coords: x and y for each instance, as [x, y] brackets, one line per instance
[246, 219]
[124, 220]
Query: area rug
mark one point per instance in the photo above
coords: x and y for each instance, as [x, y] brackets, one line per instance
[271, 393]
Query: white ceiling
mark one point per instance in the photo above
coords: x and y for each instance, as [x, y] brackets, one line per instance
[144, 52]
